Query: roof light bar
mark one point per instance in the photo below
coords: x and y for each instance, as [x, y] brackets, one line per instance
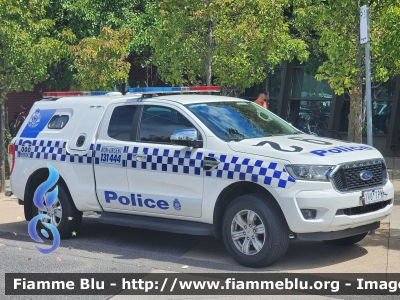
[184, 89]
[75, 93]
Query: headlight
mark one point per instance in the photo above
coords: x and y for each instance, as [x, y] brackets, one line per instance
[309, 172]
[385, 173]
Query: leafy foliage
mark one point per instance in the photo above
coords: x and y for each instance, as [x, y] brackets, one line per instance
[180, 40]
[101, 62]
[26, 48]
[87, 18]
[254, 36]
[230, 41]
[335, 25]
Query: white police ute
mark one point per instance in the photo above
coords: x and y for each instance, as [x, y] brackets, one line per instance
[197, 164]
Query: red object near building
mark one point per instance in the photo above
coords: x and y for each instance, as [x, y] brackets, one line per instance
[25, 99]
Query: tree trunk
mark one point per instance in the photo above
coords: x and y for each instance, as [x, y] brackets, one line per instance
[2, 148]
[266, 68]
[355, 117]
[6, 115]
[354, 133]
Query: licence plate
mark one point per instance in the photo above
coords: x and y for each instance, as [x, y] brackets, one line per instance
[373, 196]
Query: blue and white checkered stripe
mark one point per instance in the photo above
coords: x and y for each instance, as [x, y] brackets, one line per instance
[167, 160]
[191, 162]
[50, 150]
[231, 167]
[241, 168]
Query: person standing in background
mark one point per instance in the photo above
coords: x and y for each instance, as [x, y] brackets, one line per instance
[262, 99]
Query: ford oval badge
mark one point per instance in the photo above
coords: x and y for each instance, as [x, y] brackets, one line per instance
[366, 175]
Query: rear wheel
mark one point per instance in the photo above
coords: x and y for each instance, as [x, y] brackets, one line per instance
[347, 241]
[255, 231]
[62, 214]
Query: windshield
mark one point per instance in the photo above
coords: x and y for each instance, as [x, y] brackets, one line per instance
[234, 121]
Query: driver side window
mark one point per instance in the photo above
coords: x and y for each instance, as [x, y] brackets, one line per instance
[158, 124]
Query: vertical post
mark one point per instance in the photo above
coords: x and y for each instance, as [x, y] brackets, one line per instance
[286, 80]
[368, 94]
[364, 39]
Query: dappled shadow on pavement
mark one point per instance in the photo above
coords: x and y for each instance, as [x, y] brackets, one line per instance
[205, 252]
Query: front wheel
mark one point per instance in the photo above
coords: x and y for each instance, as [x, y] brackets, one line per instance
[255, 231]
[347, 241]
[62, 214]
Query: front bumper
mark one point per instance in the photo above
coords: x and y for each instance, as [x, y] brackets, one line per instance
[335, 211]
[333, 235]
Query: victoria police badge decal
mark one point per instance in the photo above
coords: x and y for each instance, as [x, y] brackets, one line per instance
[35, 119]
[177, 204]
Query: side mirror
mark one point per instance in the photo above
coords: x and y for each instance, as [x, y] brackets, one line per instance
[186, 137]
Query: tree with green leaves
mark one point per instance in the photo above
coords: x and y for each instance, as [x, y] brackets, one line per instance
[253, 37]
[87, 18]
[333, 28]
[26, 49]
[101, 62]
[182, 41]
[231, 43]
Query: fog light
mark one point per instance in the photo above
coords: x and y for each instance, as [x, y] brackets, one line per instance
[309, 214]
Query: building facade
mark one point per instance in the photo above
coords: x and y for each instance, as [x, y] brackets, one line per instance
[300, 99]
[295, 96]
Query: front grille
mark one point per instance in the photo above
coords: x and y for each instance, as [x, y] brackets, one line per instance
[347, 177]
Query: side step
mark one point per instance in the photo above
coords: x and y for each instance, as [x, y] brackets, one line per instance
[159, 224]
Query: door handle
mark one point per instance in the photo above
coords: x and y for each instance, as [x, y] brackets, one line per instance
[210, 163]
[140, 157]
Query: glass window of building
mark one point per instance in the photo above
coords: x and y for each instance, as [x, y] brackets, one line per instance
[309, 112]
[384, 91]
[274, 86]
[306, 86]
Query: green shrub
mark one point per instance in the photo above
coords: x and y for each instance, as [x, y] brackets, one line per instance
[7, 138]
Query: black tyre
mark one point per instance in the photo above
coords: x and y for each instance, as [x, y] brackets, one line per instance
[347, 241]
[63, 215]
[255, 231]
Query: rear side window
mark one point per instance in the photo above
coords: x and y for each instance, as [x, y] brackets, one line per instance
[158, 124]
[58, 122]
[120, 126]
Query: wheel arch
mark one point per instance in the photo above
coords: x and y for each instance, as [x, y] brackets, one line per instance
[230, 193]
[34, 180]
